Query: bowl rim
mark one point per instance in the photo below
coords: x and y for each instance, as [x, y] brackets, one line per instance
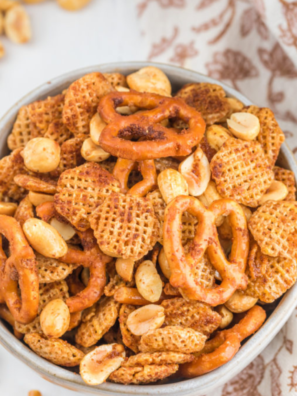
[205, 383]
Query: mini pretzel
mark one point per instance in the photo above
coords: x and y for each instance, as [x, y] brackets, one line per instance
[222, 348]
[147, 168]
[21, 260]
[206, 238]
[160, 141]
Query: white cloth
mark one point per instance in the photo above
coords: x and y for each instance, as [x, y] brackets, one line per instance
[250, 45]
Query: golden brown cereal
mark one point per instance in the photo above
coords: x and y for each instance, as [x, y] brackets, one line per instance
[98, 364]
[129, 339]
[33, 327]
[22, 131]
[114, 284]
[51, 270]
[287, 177]
[166, 163]
[35, 184]
[196, 315]
[271, 136]
[173, 339]
[143, 375]
[116, 79]
[10, 166]
[58, 132]
[17, 25]
[92, 329]
[81, 101]
[241, 171]
[269, 277]
[54, 350]
[208, 99]
[43, 112]
[51, 291]
[125, 226]
[70, 155]
[274, 228]
[150, 79]
[81, 190]
[158, 358]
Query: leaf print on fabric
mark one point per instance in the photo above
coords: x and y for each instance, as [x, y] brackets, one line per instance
[141, 7]
[182, 52]
[205, 3]
[163, 45]
[231, 65]
[280, 65]
[229, 10]
[289, 33]
[275, 373]
[246, 383]
[293, 379]
[289, 345]
[250, 19]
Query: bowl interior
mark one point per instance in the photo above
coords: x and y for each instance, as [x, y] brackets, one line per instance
[197, 386]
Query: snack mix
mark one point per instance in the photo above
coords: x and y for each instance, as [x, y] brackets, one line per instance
[143, 233]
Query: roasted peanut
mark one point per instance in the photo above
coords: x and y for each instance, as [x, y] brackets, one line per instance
[65, 230]
[85, 276]
[1, 22]
[39, 198]
[73, 5]
[92, 152]
[240, 302]
[196, 171]
[144, 319]
[150, 79]
[8, 208]
[124, 268]
[245, 126]
[97, 365]
[163, 262]
[227, 316]
[17, 25]
[148, 281]
[44, 238]
[172, 184]
[55, 318]
[216, 136]
[276, 192]
[41, 155]
[235, 104]
[210, 195]
[96, 127]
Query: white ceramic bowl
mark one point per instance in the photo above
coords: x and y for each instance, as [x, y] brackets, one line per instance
[198, 386]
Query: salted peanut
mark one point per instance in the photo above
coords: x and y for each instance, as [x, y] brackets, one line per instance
[227, 316]
[39, 198]
[2, 53]
[44, 238]
[125, 268]
[172, 184]
[1, 22]
[148, 281]
[276, 192]
[55, 318]
[41, 155]
[65, 230]
[240, 302]
[163, 262]
[96, 127]
[216, 136]
[235, 105]
[92, 152]
[144, 319]
[150, 79]
[85, 276]
[245, 126]
[210, 195]
[73, 5]
[97, 365]
[196, 171]
[119, 88]
[17, 25]
[8, 208]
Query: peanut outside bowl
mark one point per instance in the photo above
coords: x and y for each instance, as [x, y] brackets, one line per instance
[197, 386]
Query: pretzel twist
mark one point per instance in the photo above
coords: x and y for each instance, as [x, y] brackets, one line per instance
[122, 171]
[160, 141]
[206, 239]
[222, 348]
[91, 258]
[20, 265]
